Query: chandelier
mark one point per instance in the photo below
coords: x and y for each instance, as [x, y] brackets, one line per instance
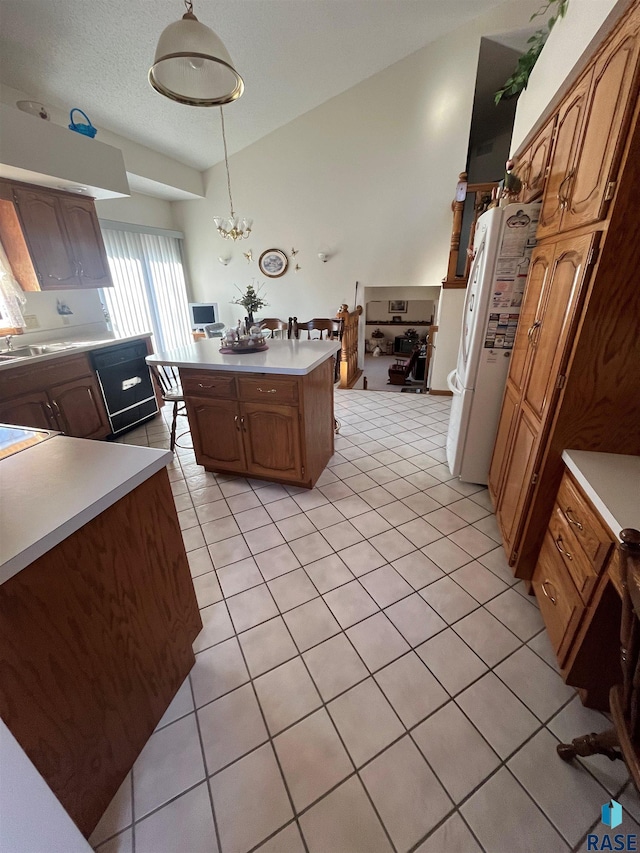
[192, 66]
[231, 228]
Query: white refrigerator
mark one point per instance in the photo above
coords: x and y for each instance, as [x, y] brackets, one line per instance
[503, 242]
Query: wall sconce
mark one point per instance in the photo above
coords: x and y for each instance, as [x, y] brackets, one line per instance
[224, 260]
[324, 257]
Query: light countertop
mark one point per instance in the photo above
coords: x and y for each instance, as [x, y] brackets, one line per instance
[52, 489]
[611, 481]
[74, 346]
[288, 357]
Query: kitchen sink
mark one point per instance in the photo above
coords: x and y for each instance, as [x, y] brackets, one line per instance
[34, 349]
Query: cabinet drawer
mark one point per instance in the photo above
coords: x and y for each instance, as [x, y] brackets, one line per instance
[208, 384]
[574, 558]
[36, 375]
[585, 524]
[266, 389]
[560, 604]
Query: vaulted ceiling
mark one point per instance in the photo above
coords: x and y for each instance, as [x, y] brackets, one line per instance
[292, 54]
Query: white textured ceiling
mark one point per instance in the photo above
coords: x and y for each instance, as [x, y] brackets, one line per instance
[292, 54]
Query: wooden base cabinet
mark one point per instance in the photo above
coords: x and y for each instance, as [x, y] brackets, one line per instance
[61, 394]
[95, 640]
[278, 428]
[575, 368]
[572, 584]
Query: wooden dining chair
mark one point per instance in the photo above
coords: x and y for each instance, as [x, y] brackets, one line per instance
[276, 325]
[167, 379]
[332, 327]
[623, 740]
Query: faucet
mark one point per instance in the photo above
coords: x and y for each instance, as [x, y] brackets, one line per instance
[9, 342]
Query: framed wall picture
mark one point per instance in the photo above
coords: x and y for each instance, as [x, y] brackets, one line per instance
[273, 263]
[398, 306]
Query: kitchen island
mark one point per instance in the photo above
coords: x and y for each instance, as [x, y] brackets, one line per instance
[97, 610]
[267, 415]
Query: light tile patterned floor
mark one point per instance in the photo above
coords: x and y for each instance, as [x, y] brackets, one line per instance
[370, 676]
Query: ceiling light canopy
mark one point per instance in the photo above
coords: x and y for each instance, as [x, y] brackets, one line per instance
[192, 65]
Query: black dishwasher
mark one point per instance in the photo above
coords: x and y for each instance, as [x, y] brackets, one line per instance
[126, 384]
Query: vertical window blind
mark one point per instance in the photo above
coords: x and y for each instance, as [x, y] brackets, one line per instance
[149, 291]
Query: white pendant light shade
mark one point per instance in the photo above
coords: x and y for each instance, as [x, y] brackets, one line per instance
[192, 66]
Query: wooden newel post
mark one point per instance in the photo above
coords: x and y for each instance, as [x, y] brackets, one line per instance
[457, 206]
[349, 372]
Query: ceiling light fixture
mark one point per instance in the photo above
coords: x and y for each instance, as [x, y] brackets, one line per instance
[192, 65]
[231, 228]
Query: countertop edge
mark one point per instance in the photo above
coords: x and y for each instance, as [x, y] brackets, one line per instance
[32, 552]
[595, 489]
[88, 347]
[204, 364]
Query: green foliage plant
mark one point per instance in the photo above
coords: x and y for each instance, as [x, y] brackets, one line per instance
[520, 77]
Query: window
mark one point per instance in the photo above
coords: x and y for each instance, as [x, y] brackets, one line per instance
[149, 292]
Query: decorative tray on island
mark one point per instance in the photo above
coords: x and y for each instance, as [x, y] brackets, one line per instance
[238, 347]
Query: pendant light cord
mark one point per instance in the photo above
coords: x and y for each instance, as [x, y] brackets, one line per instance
[226, 162]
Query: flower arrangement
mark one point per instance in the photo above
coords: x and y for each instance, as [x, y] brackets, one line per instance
[251, 300]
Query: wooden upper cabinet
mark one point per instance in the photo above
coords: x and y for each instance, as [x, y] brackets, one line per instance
[569, 125]
[612, 97]
[590, 135]
[63, 238]
[42, 224]
[532, 168]
[86, 240]
[552, 330]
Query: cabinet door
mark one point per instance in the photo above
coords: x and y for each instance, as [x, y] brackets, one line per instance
[517, 484]
[570, 119]
[79, 408]
[541, 261]
[42, 223]
[216, 432]
[612, 98]
[537, 162]
[272, 440]
[30, 410]
[88, 249]
[555, 322]
[510, 405]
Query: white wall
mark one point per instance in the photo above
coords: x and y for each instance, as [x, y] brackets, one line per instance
[585, 21]
[87, 317]
[368, 176]
[447, 337]
[139, 210]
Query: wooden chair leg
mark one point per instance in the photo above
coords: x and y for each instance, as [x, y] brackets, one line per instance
[174, 423]
[605, 743]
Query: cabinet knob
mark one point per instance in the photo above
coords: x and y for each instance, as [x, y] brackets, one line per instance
[268, 390]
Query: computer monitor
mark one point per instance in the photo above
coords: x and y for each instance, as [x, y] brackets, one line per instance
[203, 313]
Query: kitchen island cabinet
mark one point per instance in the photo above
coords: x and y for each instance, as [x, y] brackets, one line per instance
[97, 612]
[267, 415]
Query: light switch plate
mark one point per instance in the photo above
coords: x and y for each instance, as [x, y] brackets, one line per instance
[31, 321]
